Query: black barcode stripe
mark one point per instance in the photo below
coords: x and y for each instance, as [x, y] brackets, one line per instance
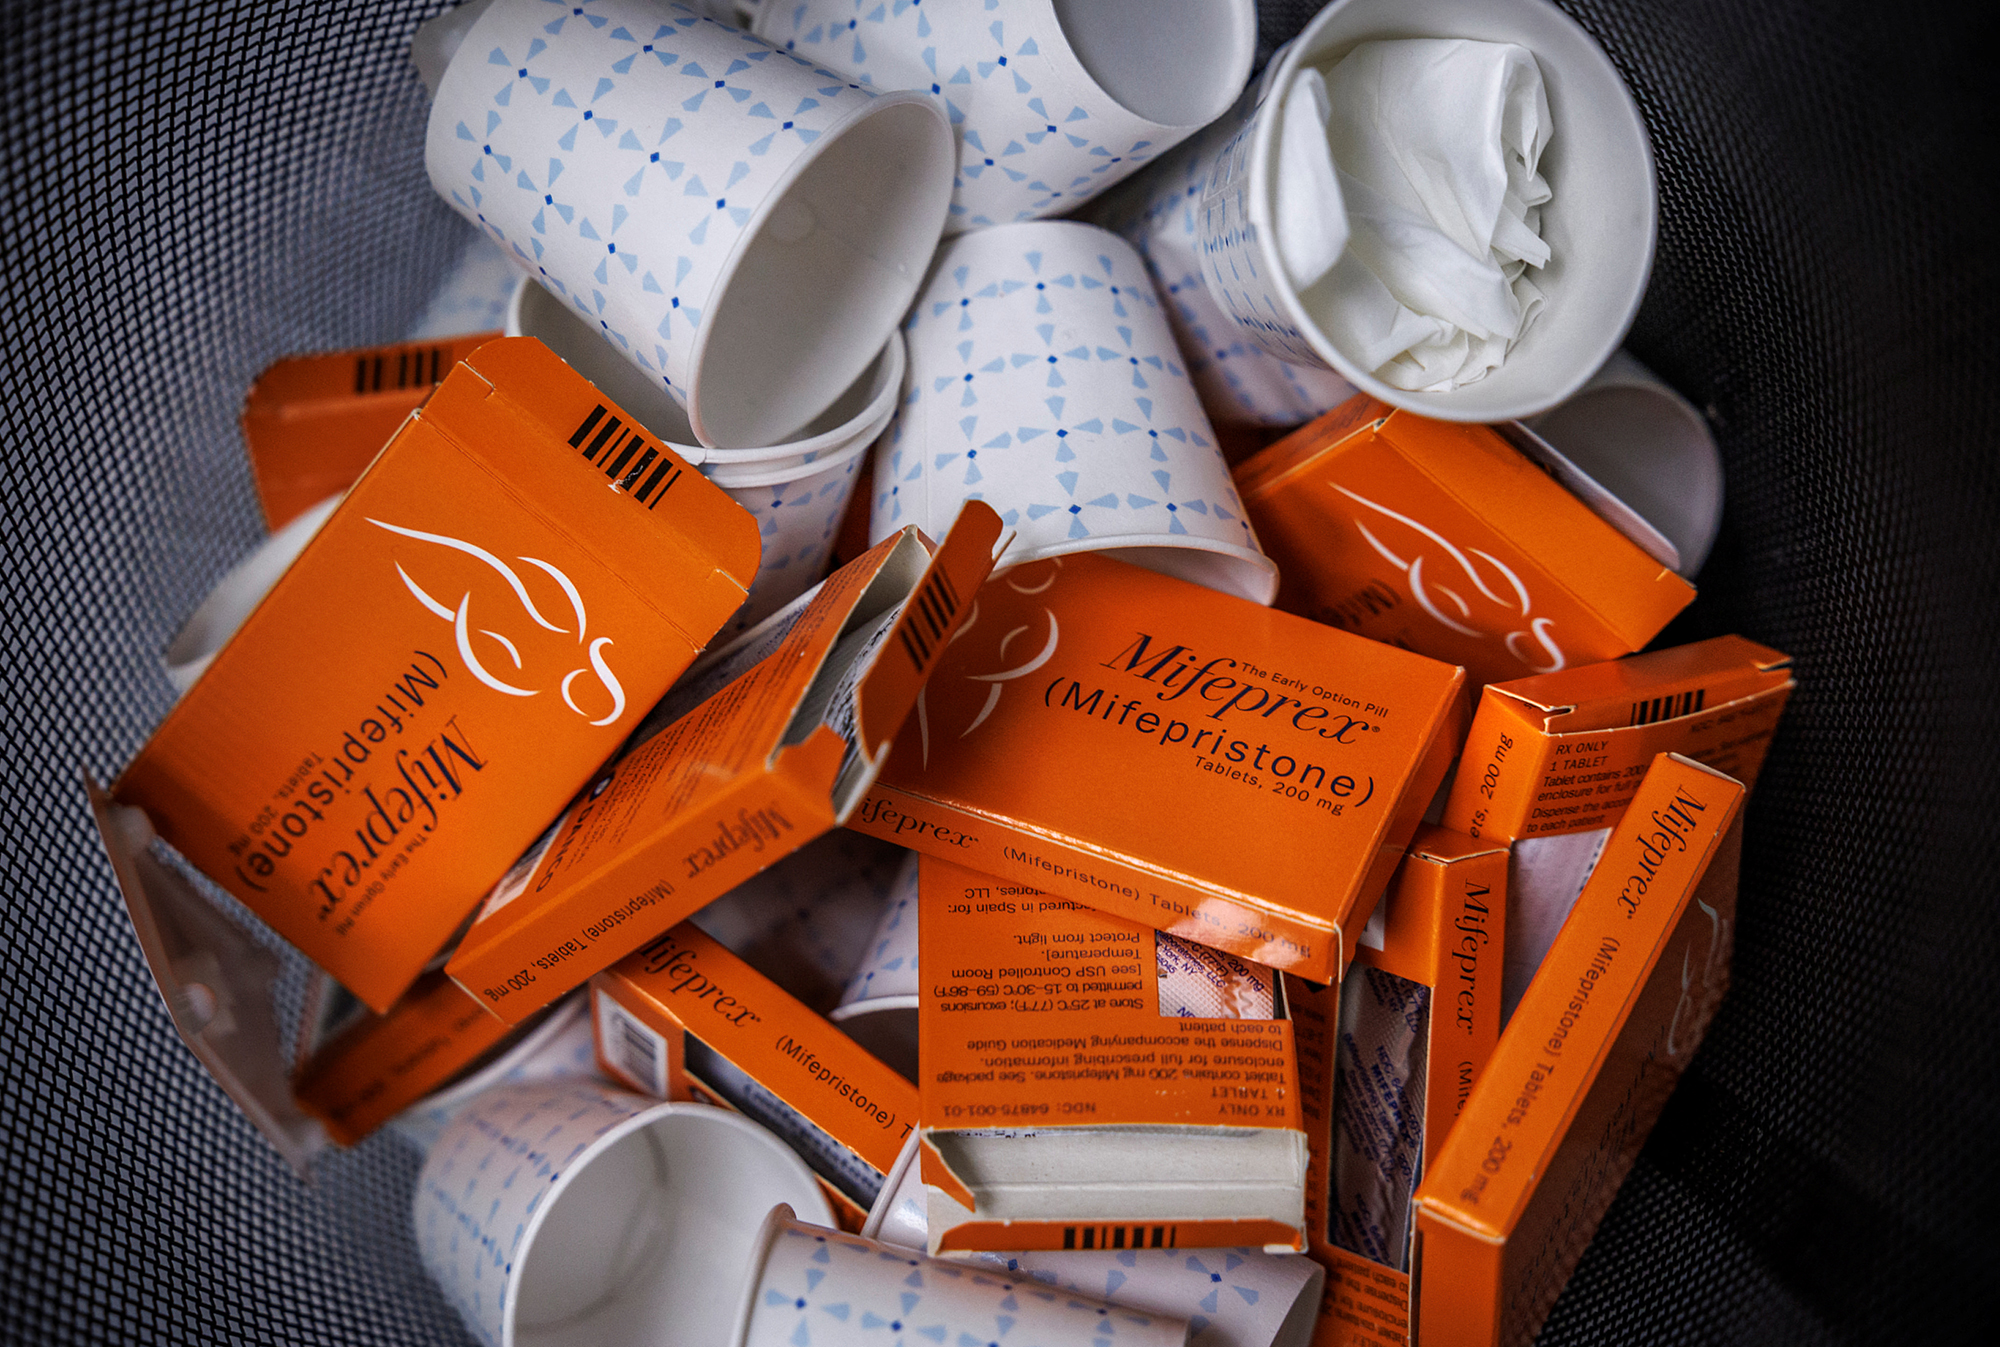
[437, 362]
[610, 429]
[1669, 707]
[596, 415]
[645, 462]
[361, 374]
[666, 466]
[402, 369]
[632, 446]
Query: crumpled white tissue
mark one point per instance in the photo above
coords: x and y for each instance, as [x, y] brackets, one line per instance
[1429, 154]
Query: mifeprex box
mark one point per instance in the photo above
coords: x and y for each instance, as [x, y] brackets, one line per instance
[1449, 539]
[1178, 757]
[514, 581]
[773, 759]
[1584, 1067]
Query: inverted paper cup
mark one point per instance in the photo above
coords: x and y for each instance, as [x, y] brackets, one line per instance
[1599, 225]
[798, 490]
[798, 512]
[807, 921]
[1157, 212]
[1052, 100]
[878, 1007]
[747, 228]
[235, 596]
[814, 1287]
[1648, 446]
[564, 1214]
[559, 1048]
[1044, 381]
[1229, 1297]
[856, 417]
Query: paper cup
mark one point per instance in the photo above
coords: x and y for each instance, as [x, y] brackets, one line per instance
[1600, 224]
[856, 417]
[235, 596]
[808, 920]
[878, 1007]
[563, 1214]
[1157, 212]
[798, 512]
[814, 1286]
[1648, 446]
[1229, 1297]
[1052, 100]
[746, 228]
[561, 1047]
[1044, 381]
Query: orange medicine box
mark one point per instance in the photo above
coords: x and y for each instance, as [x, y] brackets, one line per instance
[683, 1018]
[1404, 1036]
[1181, 758]
[1552, 762]
[1584, 1067]
[314, 423]
[1446, 539]
[474, 630]
[772, 760]
[1087, 1082]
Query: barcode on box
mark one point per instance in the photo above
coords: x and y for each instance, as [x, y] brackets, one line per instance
[1120, 1236]
[928, 618]
[1669, 707]
[605, 441]
[631, 1048]
[378, 370]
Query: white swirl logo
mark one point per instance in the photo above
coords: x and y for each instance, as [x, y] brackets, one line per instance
[1020, 582]
[459, 617]
[1433, 595]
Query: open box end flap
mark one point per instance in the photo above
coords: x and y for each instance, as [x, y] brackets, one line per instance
[216, 981]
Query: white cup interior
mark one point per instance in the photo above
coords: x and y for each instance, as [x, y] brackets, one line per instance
[536, 312]
[229, 605]
[1175, 62]
[1651, 450]
[1599, 224]
[647, 1240]
[824, 276]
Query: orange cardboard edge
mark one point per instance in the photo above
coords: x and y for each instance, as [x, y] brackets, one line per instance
[382, 1065]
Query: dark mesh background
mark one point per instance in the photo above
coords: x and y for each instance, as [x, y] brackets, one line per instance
[192, 191]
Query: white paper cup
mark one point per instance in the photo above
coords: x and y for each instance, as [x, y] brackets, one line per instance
[1648, 446]
[1229, 1297]
[1599, 225]
[236, 595]
[807, 921]
[568, 1215]
[561, 1047]
[797, 490]
[798, 510]
[1052, 100]
[856, 417]
[1044, 380]
[748, 229]
[1157, 212]
[878, 1007]
[810, 1285]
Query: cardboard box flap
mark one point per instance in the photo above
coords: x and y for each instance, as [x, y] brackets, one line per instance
[930, 621]
[215, 979]
[312, 424]
[1643, 689]
[713, 543]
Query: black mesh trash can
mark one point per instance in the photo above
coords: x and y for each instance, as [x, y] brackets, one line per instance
[193, 190]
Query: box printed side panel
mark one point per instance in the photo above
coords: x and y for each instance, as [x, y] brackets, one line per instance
[1039, 1010]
